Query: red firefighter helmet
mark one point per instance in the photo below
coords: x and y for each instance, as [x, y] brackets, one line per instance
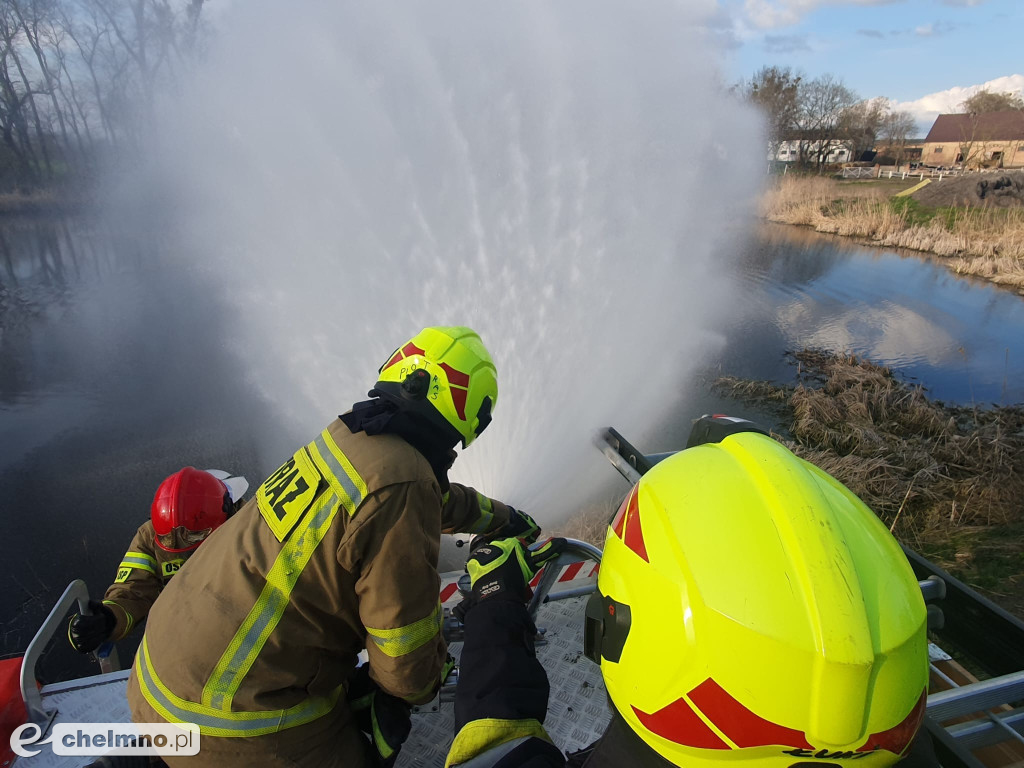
[188, 506]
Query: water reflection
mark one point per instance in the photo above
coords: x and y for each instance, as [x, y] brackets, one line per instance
[960, 338]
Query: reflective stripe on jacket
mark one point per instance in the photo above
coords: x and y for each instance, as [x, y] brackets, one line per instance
[337, 551]
[142, 574]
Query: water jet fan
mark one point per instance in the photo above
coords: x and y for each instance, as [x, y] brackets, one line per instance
[570, 179]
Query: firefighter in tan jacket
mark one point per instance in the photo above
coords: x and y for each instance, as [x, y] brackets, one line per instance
[256, 641]
[188, 506]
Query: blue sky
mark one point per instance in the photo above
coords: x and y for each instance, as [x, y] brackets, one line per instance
[911, 51]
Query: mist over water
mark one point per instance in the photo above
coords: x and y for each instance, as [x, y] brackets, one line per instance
[566, 178]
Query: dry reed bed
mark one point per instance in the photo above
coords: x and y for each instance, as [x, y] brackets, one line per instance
[948, 481]
[982, 242]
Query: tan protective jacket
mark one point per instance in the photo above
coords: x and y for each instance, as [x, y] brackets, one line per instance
[336, 552]
[142, 574]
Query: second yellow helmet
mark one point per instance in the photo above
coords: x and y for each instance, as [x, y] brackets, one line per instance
[446, 372]
[750, 608]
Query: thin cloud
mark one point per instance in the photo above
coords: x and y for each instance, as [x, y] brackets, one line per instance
[936, 28]
[772, 14]
[719, 28]
[786, 43]
[876, 33]
[962, 3]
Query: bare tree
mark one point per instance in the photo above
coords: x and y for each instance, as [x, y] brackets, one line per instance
[862, 122]
[78, 75]
[81, 21]
[74, 103]
[823, 105]
[10, 38]
[13, 122]
[897, 128]
[31, 15]
[987, 101]
[775, 91]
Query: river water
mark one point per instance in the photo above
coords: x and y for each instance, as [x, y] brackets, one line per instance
[94, 413]
[961, 338]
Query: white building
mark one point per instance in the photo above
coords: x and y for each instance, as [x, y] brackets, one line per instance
[836, 151]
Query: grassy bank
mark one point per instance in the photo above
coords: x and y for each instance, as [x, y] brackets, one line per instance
[985, 242]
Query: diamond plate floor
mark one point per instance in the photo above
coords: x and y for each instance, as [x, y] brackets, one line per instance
[577, 712]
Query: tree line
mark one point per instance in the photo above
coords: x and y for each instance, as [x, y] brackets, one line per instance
[822, 113]
[78, 78]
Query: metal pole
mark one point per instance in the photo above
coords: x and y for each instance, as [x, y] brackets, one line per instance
[566, 594]
[626, 469]
[975, 696]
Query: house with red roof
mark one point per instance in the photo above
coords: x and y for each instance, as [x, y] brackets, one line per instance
[976, 140]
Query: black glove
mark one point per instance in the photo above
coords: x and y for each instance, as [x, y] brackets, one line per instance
[381, 716]
[87, 633]
[506, 567]
[520, 526]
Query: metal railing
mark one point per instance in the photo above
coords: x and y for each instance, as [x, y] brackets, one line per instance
[76, 593]
[574, 551]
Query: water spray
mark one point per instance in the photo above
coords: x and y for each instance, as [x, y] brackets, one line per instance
[569, 179]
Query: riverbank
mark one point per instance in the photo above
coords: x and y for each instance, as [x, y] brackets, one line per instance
[981, 241]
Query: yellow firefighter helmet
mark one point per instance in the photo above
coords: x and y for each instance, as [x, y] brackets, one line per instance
[443, 372]
[750, 608]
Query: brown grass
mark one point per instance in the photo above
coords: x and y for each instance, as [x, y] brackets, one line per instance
[589, 524]
[981, 242]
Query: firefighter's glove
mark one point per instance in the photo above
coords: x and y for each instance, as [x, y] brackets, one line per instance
[87, 633]
[520, 526]
[382, 717]
[505, 567]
